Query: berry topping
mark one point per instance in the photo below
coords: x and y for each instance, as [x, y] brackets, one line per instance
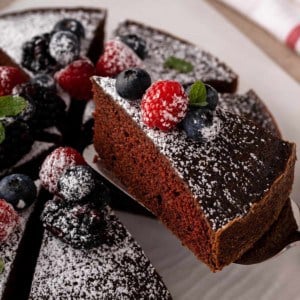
[164, 105]
[55, 165]
[136, 43]
[116, 58]
[9, 78]
[44, 80]
[18, 190]
[196, 122]
[64, 47]
[18, 141]
[49, 107]
[132, 83]
[71, 25]
[202, 96]
[75, 79]
[8, 220]
[78, 184]
[81, 226]
[36, 56]
[212, 97]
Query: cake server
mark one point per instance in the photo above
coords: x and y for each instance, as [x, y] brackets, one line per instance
[91, 157]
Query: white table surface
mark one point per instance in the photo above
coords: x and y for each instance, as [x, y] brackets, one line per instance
[196, 21]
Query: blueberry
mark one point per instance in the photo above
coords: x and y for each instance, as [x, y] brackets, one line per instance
[71, 25]
[81, 184]
[195, 121]
[131, 84]
[19, 190]
[212, 97]
[44, 80]
[136, 43]
[64, 47]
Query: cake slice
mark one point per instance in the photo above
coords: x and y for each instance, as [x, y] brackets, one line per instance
[160, 46]
[117, 269]
[209, 194]
[16, 28]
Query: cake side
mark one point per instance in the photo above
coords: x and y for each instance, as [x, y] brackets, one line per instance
[117, 269]
[111, 143]
[162, 45]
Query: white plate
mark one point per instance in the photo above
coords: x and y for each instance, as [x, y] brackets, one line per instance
[196, 21]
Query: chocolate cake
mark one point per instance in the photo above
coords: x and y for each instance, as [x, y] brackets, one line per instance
[117, 269]
[209, 194]
[161, 45]
[18, 27]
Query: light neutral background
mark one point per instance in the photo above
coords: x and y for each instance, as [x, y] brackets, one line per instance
[200, 23]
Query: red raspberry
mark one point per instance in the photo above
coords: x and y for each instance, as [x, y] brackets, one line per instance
[75, 79]
[116, 58]
[164, 105]
[56, 163]
[9, 219]
[9, 78]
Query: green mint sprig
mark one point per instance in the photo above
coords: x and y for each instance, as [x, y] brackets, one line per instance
[2, 265]
[178, 64]
[197, 94]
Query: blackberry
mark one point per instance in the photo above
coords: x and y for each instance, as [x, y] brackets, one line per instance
[18, 141]
[81, 226]
[136, 43]
[45, 81]
[64, 47]
[36, 56]
[70, 25]
[50, 108]
[132, 83]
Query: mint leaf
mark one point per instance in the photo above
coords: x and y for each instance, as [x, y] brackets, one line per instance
[197, 94]
[2, 264]
[178, 64]
[2, 133]
[11, 106]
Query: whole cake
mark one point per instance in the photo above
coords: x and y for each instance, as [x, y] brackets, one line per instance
[86, 252]
[209, 192]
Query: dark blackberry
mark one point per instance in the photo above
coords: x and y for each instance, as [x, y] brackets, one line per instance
[36, 56]
[50, 108]
[81, 226]
[136, 43]
[44, 80]
[18, 141]
[71, 25]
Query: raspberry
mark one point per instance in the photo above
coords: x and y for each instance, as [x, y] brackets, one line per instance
[164, 105]
[9, 78]
[116, 58]
[75, 79]
[56, 163]
[8, 219]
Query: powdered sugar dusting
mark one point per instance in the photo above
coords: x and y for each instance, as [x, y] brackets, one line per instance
[161, 46]
[117, 269]
[223, 173]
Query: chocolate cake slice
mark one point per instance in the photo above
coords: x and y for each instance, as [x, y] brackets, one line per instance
[209, 194]
[161, 45]
[117, 269]
[18, 27]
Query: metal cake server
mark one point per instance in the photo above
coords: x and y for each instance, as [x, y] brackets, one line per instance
[91, 157]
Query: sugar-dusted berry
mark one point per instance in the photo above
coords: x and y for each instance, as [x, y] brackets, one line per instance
[8, 220]
[164, 105]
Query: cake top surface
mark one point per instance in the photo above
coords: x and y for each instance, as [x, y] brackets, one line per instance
[250, 106]
[117, 269]
[161, 46]
[8, 249]
[24, 25]
[226, 174]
